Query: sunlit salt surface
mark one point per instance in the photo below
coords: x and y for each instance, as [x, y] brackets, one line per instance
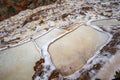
[49, 36]
[74, 49]
[106, 22]
[17, 63]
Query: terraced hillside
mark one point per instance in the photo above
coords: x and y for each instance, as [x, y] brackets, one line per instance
[67, 40]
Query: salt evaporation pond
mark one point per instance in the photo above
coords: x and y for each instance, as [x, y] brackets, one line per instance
[106, 22]
[70, 52]
[17, 63]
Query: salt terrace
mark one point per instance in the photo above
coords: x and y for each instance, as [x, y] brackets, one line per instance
[73, 40]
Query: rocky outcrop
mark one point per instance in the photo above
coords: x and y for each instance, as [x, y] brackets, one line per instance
[9, 8]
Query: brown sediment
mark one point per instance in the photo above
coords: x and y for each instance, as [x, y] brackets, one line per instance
[115, 3]
[84, 76]
[117, 75]
[64, 16]
[46, 29]
[118, 19]
[41, 21]
[87, 8]
[54, 74]
[35, 16]
[38, 68]
[82, 13]
[13, 40]
[38, 63]
[68, 28]
[97, 66]
[110, 47]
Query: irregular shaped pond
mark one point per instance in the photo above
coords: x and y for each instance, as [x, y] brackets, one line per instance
[17, 63]
[70, 53]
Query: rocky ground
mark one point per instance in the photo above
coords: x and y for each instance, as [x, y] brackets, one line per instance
[76, 40]
[9, 8]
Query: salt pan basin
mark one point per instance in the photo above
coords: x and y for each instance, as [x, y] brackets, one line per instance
[49, 36]
[17, 63]
[106, 22]
[70, 52]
